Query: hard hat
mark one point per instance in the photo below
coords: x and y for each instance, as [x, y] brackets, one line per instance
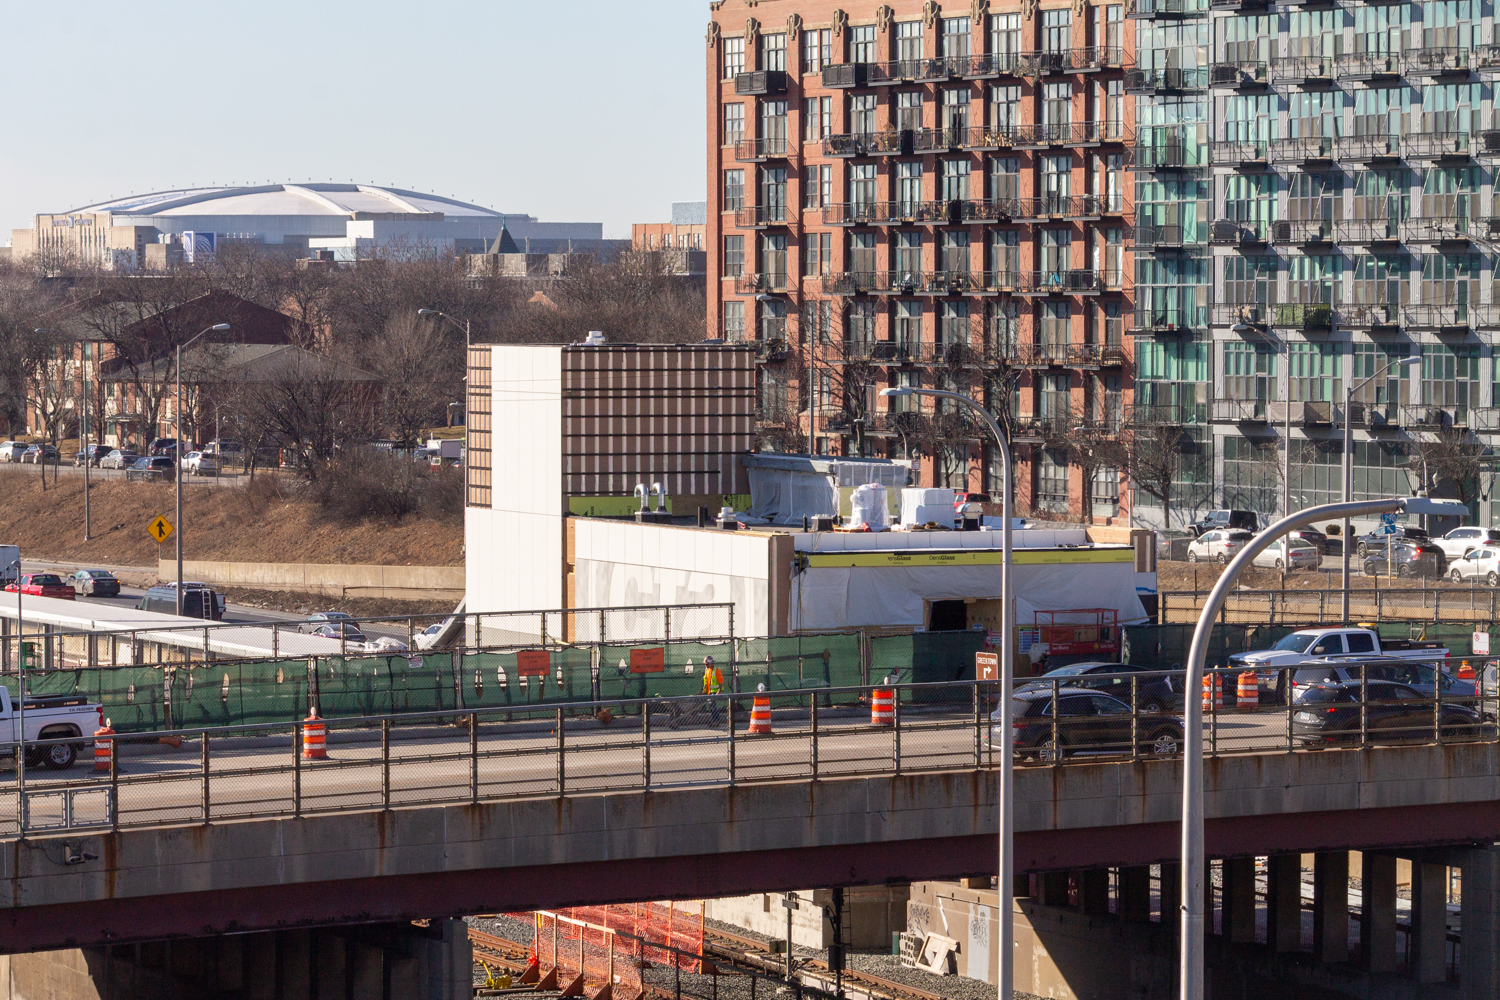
[708, 660]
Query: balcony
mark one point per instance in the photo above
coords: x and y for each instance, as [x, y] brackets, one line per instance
[1309, 413]
[764, 216]
[895, 71]
[1302, 232]
[1428, 417]
[1370, 232]
[890, 142]
[776, 147]
[1379, 318]
[1253, 314]
[760, 83]
[755, 284]
[1167, 9]
[1448, 61]
[1043, 355]
[1247, 154]
[1374, 417]
[1489, 142]
[1451, 146]
[1306, 150]
[1240, 74]
[1369, 148]
[1168, 321]
[1171, 155]
[1180, 239]
[1305, 71]
[1096, 356]
[1170, 80]
[1240, 411]
[1440, 230]
[1451, 319]
[951, 282]
[1074, 281]
[773, 347]
[941, 68]
[888, 352]
[1040, 430]
[1087, 133]
[1240, 232]
[1309, 317]
[1368, 66]
[855, 282]
[844, 75]
[1243, 6]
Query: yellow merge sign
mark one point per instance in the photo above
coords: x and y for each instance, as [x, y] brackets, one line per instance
[160, 529]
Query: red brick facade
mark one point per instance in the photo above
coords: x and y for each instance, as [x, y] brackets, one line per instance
[929, 195]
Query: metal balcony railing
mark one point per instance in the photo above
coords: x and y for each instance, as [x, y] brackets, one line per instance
[1063, 281]
[1369, 231]
[1042, 355]
[760, 83]
[1302, 69]
[761, 216]
[776, 147]
[1368, 148]
[1169, 320]
[883, 351]
[1169, 155]
[1441, 318]
[1368, 65]
[1168, 9]
[1309, 317]
[1454, 229]
[1240, 232]
[1168, 237]
[1243, 152]
[1086, 133]
[854, 282]
[1455, 60]
[1096, 355]
[888, 142]
[1306, 149]
[1166, 80]
[1255, 314]
[1439, 145]
[770, 281]
[1420, 416]
[844, 75]
[1039, 429]
[1240, 73]
[1301, 232]
[1242, 411]
[940, 68]
[1380, 316]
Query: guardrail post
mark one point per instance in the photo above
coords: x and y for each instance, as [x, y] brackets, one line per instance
[205, 773]
[114, 785]
[729, 720]
[646, 744]
[1287, 675]
[385, 764]
[562, 786]
[1364, 708]
[896, 722]
[1437, 703]
[978, 730]
[474, 758]
[813, 716]
[297, 769]
[1135, 716]
[1056, 736]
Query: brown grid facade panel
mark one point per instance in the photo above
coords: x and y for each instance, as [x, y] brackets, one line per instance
[478, 459]
[680, 416]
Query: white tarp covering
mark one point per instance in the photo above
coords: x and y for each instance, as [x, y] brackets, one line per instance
[785, 488]
[853, 597]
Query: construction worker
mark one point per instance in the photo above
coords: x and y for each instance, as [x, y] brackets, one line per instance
[713, 685]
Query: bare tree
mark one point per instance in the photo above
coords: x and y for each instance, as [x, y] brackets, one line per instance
[1152, 457]
[422, 368]
[48, 369]
[1450, 460]
[1092, 446]
[312, 407]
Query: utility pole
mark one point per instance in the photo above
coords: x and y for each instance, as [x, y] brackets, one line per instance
[790, 902]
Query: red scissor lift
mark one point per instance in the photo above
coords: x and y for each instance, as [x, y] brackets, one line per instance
[1093, 632]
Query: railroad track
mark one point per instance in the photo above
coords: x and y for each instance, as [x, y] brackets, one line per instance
[753, 952]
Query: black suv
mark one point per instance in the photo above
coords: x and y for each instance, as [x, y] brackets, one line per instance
[1156, 694]
[1365, 544]
[1216, 519]
[1088, 721]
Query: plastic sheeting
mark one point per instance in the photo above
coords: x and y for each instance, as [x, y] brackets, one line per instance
[868, 508]
[786, 488]
[855, 597]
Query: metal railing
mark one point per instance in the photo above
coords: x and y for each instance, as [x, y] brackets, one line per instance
[1367, 65]
[768, 281]
[1166, 79]
[1439, 145]
[755, 216]
[765, 148]
[1369, 148]
[1474, 601]
[1302, 69]
[1302, 149]
[1439, 60]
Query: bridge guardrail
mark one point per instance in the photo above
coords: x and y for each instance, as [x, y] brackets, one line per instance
[650, 744]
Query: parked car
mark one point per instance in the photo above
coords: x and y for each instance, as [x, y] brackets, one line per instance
[1365, 544]
[960, 499]
[148, 468]
[163, 446]
[1086, 720]
[1425, 678]
[1461, 541]
[11, 451]
[1218, 546]
[42, 585]
[1218, 519]
[1155, 694]
[1482, 563]
[1288, 553]
[39, 454]
[315, 621]
[1330, 713]
[1311, 536]
[1315, 645]
[120, 458]
[1411, 558]
[197, 602]
[50, 717]
[95, 583]
[347, 631]
[200, 463]
[92, 455]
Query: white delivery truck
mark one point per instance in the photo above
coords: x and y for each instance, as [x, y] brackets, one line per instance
[56, 717]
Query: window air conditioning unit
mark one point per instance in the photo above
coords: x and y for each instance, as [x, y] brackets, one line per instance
[1281, 230]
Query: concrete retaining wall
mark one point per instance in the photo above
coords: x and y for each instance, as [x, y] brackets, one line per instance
[433, 582]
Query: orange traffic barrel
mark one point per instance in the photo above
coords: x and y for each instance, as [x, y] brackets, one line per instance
[1247, 697]
[314, 737]
[883, 707]
[1213, 690]
[760, 714]
[1465, 672]
[104, 748]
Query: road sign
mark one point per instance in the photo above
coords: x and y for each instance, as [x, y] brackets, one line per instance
[160, 529]
[1388, 529]
[987, 666]
[1481, 644]
[1389, 517]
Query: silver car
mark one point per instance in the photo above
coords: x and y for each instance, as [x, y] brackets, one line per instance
[1289, 554]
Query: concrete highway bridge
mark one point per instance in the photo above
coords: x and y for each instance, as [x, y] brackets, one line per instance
[426, 817]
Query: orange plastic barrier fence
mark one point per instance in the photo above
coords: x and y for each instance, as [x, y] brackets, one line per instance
[656, 927]
[587, 959]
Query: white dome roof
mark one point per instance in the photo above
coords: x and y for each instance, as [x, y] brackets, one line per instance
[288, 199]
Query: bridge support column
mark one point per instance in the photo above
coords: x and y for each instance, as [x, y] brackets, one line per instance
[1377, 916]
[1284, 902]
[294, 955]
[1135, 894]
[1093, 891]
[328, 964]
[1479, 969]
[1239, 900]
[260, 966]
[1331, 906]
[1052, 889]
[1429, 923]
[1171, 898]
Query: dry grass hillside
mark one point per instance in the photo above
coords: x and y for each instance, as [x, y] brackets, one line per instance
[268, 521]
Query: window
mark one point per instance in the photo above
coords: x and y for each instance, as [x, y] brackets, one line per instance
[1109, 258]
[956, 38]
[1313, 32]
[734, 123]
[1005, 40]
[1005, 179]
[1052, 479]
[1450, 279]
[1448, 24]
[862, 188]
[773, 259]
[1053, 397]
[1106, 491]
[1450, 196]
[909, 110]
[1114, 187]
[1315, 113]
[1057, 30]
[908, 329]
[861, 322]
[1450, 377]
[817, 254]
[954, 252]
[1005, 109]
[817, 186]
[1314, 280]
[773, 320]
[956, 114]
[1111, 113]
[817, 118]
[1249, 371]
[734, 57]
[1449, 107]
[908, 256]
[1110, 37]
[1003, 329]
[773, 52]
[734, 190]
[1251, 198]
[862, 44]
[773, 205]
[734, 320]
[953, 323]
[1378, 110]
[1112, 319]
[773, 128]
[734, 256]
[1057, 174]
[1170, 292]
[817, 323]
[1250, 286]
[1393, 386]
[1057, 252]
[862, 253]
[908, 187]
[1314, 197]
[817, 50]
[909, 43]
[1005, 256]
[1313, 371]
[862, 119]
[955, 180]
[1052, 331]
[1379, 280]
[773, 395]
[1057, 107]
[1383, 196]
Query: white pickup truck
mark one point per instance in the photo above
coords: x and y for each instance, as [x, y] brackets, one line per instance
[1330, 644]
[51, 718]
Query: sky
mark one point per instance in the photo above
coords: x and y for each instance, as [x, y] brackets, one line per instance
[586, 111]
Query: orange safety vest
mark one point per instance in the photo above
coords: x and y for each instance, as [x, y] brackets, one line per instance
[713, 680]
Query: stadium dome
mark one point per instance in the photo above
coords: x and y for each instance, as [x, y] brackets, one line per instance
[344, 200]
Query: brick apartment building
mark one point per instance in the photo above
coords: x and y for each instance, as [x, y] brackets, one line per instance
[928, 195]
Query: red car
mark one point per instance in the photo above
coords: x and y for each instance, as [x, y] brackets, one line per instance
[44, 585]
[959, 499]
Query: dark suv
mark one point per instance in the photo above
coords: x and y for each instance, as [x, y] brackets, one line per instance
[1365, 544]
[1088, 721]
[1156, 694]
[1216, 519]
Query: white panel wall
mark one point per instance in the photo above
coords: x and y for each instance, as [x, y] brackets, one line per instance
[514, 550]
[621, 563]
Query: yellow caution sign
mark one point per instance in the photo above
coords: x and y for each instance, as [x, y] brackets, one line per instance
[160, 529]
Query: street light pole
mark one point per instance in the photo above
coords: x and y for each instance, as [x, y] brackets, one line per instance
[177, 458]
[1348, 468]
[1005, 881]
[1191, 898]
